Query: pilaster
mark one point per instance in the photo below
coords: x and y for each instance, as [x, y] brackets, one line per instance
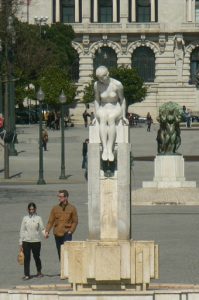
[76, 11]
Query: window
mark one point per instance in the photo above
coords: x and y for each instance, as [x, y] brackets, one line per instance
[105, 56]
[143, 11]
[143, 59]
[54, 11]
[68, 11]
[197, 11]
[194, 65]
[105, 11]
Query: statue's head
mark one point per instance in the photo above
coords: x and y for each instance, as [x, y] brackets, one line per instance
[102, 74]
[170, 109]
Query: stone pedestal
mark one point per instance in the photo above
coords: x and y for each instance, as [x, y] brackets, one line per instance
[109, 259]
[109, 199]
[169, 173]
[98, 265]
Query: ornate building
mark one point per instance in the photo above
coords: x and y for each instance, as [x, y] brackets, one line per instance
[158, 37]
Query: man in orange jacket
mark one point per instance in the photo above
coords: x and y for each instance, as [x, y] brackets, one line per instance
[64, 219]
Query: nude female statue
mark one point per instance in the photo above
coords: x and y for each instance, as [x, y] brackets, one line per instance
[110, 107]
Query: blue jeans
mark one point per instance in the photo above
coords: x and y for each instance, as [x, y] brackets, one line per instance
[59, 240]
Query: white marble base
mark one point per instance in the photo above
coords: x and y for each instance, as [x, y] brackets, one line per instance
[169, 173]
[165, 196]
[99, 265]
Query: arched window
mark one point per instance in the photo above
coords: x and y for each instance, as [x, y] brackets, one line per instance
[105, 56]
[143, 59]
[105, 11]
[143, 10]
[67, 11]
[194, 64]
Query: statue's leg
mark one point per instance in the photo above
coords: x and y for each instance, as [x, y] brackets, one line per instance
[103, 131]
[111, 138]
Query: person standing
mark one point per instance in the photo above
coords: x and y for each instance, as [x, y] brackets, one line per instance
[149, 121]
[85, 117]
[64, 219]
[30, 240]
[85, 157]
[44, 139]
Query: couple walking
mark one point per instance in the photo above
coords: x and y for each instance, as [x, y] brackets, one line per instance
[63, 218]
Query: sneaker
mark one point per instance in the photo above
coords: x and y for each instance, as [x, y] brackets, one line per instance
[39, 275]
[26, 277]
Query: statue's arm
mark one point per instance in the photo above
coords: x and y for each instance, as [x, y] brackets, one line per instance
[122, 101]
[96, 100]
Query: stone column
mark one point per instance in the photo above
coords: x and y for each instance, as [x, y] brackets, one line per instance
[85, 67]
[76, 11]
[115, 10]
[133, 10]
[152, 10]
[57, 17]
[189, 13]
[86, 11]
[124, 12]
[109, 197]
[95, 10]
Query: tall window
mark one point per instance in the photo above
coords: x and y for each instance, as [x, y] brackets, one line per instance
[54, 10]
[105, 11]
[143, 59]
[68, 11]
[143, 11]
[105, 56]
[194, 65]
[197, 11]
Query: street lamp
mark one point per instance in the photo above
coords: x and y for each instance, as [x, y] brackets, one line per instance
[6, 48]
[62, 100]
[11, 80]
[40, 98]
[1, 90]
[40, 21]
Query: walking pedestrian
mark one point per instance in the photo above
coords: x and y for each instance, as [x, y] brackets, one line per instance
[44, 139]
[30, 240]
[149, 121]
[85, 117]
[63, 218]
[85, 157]
[92, 117]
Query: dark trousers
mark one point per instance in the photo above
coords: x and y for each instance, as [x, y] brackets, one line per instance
[59, 240]
[44, 145]
[35, 248]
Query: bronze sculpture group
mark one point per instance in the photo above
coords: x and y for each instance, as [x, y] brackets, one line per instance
[168, 136]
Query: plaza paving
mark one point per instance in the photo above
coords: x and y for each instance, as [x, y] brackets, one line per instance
[174, 228]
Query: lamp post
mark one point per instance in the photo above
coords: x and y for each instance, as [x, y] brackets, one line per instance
[62, 100]
[1, 90]
[11, 80]
[40, 21]
[40, 98]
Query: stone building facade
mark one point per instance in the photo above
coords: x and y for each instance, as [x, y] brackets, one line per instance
[158, 37]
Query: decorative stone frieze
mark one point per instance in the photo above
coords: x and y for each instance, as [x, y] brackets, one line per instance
[124, 42]
[153, 46]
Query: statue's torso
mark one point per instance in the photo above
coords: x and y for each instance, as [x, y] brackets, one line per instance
[108, 93]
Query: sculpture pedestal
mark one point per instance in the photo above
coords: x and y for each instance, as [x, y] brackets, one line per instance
[98, 265]
[109, 260]
[169, 173]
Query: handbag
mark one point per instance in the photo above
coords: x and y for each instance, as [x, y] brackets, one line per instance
[20, 257]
